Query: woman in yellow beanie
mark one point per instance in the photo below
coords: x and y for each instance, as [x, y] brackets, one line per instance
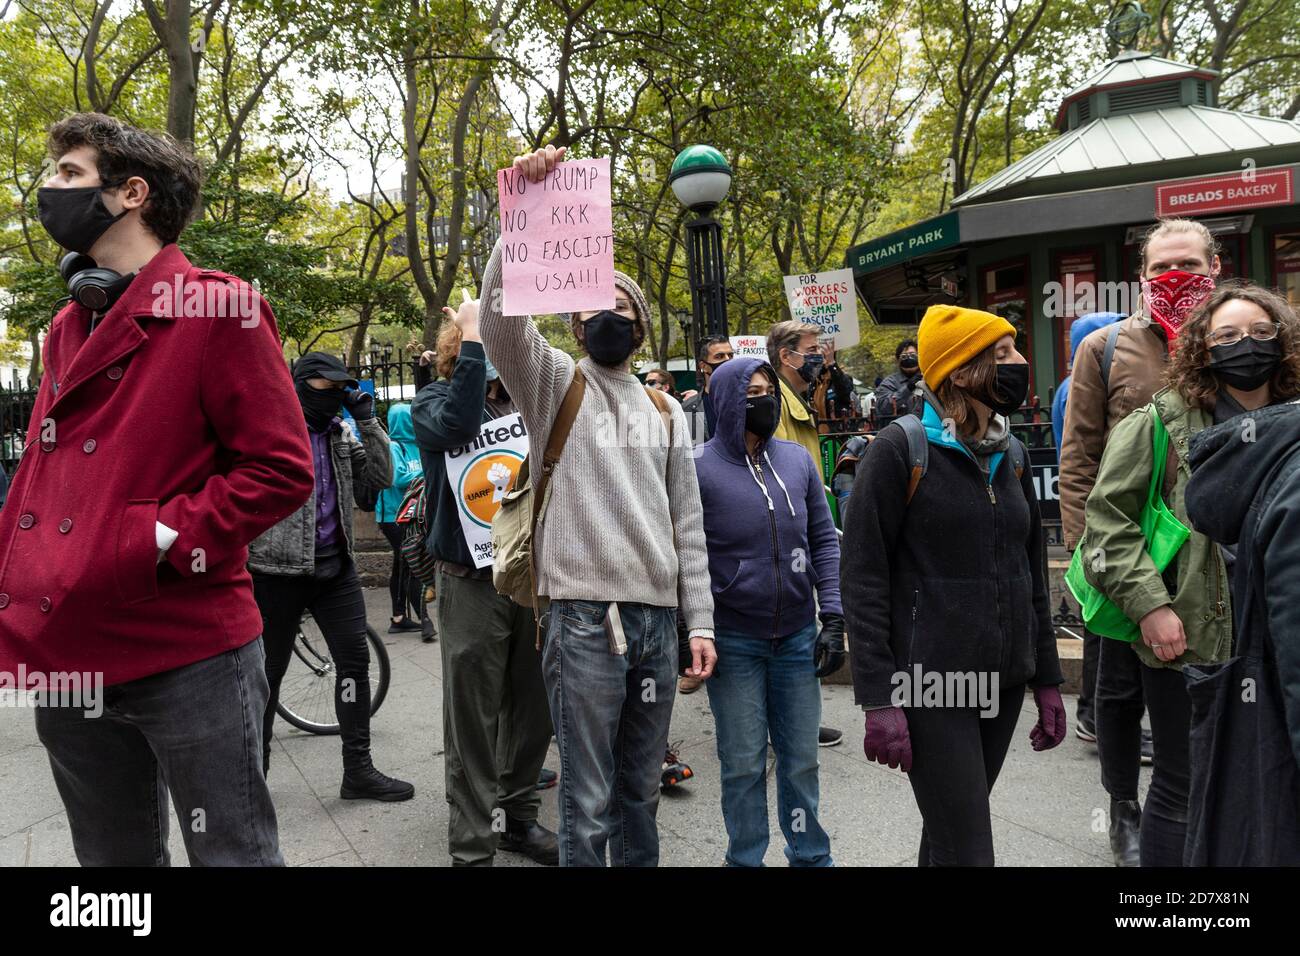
[944, 588]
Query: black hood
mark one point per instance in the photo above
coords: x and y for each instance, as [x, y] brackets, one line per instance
[1231, 461]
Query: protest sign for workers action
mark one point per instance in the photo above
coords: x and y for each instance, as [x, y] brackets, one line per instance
[826, 299]
[481, 474]
[557, 239]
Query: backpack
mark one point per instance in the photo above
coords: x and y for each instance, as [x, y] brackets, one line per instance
[514, 573]
[918, 451]
[414, 513]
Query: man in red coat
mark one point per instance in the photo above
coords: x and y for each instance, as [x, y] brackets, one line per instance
[166, 435]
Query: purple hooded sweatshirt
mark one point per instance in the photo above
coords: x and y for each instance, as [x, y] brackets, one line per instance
[771, 545]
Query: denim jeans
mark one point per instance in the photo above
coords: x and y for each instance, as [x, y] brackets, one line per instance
[611, 714]
[196, 731]
[765, 688]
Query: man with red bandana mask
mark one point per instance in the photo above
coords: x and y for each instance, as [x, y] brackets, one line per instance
[1117, 369]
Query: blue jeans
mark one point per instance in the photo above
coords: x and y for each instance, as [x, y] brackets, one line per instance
[763, 688]
[611, 715]
[195, 731]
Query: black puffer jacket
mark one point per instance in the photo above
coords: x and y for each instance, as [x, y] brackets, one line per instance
[1245, 788]
[953, 581]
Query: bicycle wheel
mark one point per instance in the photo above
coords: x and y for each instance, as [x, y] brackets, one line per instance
[307, 690]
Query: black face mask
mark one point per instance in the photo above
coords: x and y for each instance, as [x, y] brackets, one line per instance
[1010, 386]
[319, 405]
[75, 218]
[760, 415]
[909, 364]
[1247, 364]
[607, 337]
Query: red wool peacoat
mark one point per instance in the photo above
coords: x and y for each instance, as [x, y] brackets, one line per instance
[170, 412]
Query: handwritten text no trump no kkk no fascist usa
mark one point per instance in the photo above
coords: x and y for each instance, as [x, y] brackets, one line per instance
[557, 239]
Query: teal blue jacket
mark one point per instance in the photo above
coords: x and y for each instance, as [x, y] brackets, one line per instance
[406, 461]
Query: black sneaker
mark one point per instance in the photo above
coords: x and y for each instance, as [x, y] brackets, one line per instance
[403, 626]
[370, 784]
[1148, 749]
[532, 840]
[1085, 731]
[427, 634]
[547, 779]
[674, 771]
[829, 737]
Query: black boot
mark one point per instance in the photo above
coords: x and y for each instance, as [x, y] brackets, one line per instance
[532, 840]
[1125, 821]
[369, 784]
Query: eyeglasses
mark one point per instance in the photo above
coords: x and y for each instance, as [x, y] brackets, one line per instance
[1231, 335]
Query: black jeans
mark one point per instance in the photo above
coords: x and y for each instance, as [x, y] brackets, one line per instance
[403, 590]
[195, 732]
[1086, 712]
[1164, 815]
[956, 758]
[333, 595]
[1118, 708]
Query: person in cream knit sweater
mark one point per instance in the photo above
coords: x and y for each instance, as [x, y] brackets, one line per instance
[620, 481]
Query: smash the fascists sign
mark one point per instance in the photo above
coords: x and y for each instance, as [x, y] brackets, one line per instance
[557, 239]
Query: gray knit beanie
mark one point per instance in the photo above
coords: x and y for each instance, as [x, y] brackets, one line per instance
[640, 307]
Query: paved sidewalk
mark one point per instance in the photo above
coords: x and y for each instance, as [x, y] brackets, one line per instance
[1045, 806]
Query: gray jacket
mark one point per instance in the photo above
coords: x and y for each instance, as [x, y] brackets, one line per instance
[290, 546]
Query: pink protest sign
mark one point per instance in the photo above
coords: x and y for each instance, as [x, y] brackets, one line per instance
[557, 239]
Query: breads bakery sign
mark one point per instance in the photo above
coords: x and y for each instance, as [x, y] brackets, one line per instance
[1248, 189]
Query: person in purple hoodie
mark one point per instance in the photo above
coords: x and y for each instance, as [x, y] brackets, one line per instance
[773, 558]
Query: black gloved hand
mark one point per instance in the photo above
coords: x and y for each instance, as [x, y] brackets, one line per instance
[360, 404]
[829, 651]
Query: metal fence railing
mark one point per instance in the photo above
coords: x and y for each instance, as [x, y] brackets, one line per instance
[17, 399]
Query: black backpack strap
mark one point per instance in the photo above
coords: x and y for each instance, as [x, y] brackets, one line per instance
[918, 450]
[1108, 354]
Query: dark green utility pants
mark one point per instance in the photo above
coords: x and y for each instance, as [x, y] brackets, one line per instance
[496, 720]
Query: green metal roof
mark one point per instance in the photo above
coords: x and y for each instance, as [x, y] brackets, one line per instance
[1133, 67]
[1132, 147]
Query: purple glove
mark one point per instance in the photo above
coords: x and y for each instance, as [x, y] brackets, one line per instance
[886, 740]
[1050, 729]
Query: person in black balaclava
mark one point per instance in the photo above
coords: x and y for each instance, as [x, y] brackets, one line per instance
[896, 395]
[305, 564]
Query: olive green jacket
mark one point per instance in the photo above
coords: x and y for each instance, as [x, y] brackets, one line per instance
[1115, 557]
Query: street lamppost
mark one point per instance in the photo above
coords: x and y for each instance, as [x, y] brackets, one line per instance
[700, 178]
[683, 317]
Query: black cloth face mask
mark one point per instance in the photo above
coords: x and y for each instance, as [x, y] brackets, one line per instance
[760, 415]
[1247, 364]
[319, 405]
[607, 336]
[908, 364]
[1010, 386]
[75, 218]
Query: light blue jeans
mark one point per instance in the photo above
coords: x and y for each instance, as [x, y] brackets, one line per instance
[763, 688]
[611, 714]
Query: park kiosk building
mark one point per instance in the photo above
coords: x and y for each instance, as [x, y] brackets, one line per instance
[1057, 234]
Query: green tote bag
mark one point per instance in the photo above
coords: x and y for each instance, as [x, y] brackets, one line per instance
[1164, 534]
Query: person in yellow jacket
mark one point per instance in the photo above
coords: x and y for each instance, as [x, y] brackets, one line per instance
[793, 351]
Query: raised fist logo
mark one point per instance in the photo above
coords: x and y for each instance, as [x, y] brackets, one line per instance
[500, 477]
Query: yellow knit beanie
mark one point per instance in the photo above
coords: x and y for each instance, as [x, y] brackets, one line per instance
[950, 336]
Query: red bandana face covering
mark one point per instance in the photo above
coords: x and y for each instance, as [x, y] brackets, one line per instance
[1172, 296]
